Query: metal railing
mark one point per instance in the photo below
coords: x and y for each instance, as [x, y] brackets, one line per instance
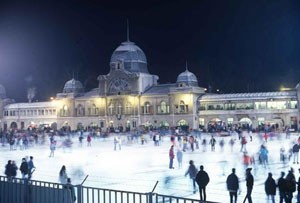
[32, 191]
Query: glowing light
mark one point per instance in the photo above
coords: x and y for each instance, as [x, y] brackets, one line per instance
[285, 88]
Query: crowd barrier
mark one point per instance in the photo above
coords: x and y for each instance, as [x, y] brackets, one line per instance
[16, 190]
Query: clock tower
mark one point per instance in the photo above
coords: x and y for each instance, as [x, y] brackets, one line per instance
[128, 72]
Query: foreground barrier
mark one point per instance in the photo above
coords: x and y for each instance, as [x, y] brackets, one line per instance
[19, 191]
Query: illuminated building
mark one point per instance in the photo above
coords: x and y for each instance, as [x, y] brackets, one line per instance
[129, 96]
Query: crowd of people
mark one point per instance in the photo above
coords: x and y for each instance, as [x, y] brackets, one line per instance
[286, 185]
[26, 168]
[180, 143]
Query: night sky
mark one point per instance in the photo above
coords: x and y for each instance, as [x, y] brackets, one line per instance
[234, 46]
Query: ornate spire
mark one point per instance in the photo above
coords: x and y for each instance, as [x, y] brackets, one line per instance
[186, 65]
[128, 30]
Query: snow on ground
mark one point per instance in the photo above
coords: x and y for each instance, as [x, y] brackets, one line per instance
[137, 167]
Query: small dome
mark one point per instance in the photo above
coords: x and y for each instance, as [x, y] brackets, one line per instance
[131, 56]
[73, 86]
[188, 78]
[2, 92]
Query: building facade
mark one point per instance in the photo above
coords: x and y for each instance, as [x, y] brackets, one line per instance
[129, 96]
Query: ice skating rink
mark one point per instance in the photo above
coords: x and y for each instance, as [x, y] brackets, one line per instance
[137, 167]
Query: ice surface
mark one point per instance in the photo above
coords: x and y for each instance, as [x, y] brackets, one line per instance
[137, 167]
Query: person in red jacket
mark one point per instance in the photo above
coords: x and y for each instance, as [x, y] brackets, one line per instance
[171, 157]
[89, 140]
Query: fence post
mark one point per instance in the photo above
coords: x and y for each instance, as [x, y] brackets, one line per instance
[79, 193]
[150, 199]
[150, 194]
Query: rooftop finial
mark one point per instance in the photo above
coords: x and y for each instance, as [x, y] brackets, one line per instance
[128, 30]
[186, 65]
[73, 74]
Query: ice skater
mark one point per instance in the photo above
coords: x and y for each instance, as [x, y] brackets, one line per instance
[171, 157]
[52, 148]
[179, 156]
[117, 142]
[192, 172]
[296, 153]
[89, 140]
[63, 176]
[212, 143]
[31, 167]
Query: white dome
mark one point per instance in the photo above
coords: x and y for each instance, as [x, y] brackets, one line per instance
[131, 56]
[188, 78]
[73, 86]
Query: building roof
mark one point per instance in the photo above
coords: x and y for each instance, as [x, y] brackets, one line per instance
[160, 89]
[92, 93]
[73, 86]
[132, 57]
[188, 78]
[48, 104]
[246, 96]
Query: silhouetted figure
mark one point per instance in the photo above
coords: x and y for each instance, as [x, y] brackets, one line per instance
[290, 185]
[232, 186]
[249, 185]
[282, 187]
[270, 187]
[24, 169]
[202, 180]
[69, 192]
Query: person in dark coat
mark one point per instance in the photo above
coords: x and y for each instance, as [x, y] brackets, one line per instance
[69, 196]
[202, 180]
[192, 172]
[24, 168]
[270, 187]
[249, 184]
[290, 185]
[232, 186]
[14, 168]
[9, 170]
[298, 187]
[281, 187]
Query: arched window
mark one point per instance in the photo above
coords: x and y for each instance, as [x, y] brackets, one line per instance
[93, 110]
[119, 109]
[163, 107]
[182, 123]
[111, 109]
[128, 108]
[181, 107]
[65, 111]
[80, 110]
[147, 108]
